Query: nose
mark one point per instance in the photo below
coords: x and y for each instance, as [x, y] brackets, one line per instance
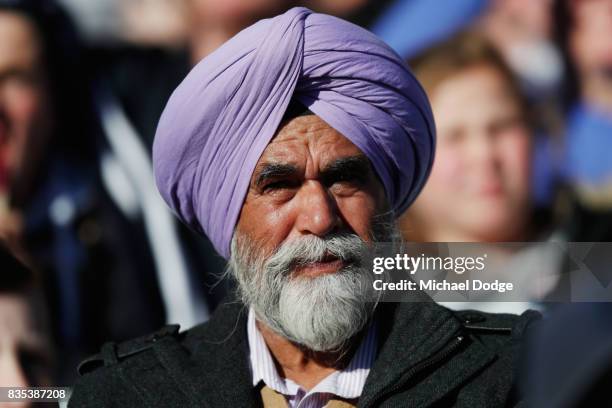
[482, 151]
[318, 212]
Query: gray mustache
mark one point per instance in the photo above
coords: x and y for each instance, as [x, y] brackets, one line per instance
[349, 248]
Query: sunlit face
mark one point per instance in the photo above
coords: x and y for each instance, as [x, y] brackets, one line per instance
[23, 100]
[589, 39]
[23, 358]
[310, 180]
[479, 185]
[307, 226]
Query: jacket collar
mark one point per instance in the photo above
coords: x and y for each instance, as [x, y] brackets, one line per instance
[414, 338]
[417, 339]
[218, 370]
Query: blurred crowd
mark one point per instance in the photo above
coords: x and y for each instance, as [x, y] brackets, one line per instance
[521, 91]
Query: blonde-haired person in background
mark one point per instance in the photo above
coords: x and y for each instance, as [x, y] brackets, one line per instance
[479, 189]
[479, 186]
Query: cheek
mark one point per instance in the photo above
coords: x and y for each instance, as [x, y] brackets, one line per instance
[447, 171]
[265, 222]
[22, 103]
[358, 211]
[590, 48]
[23, 108]
[444, 183]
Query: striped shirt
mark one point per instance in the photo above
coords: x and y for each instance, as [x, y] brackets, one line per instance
[347, 383]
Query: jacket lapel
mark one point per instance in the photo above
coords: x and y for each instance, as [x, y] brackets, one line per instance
[416, 337]
[218, 371]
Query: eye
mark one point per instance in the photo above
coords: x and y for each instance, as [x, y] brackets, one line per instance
[280, 185]
[20, 78]
[352, 178]
[346, 179]
[453, 137]
[346, 185]
[504, 125]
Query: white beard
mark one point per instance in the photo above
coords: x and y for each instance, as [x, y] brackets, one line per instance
[319, 313]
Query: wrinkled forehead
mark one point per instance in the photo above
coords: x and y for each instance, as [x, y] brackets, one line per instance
[308, 139]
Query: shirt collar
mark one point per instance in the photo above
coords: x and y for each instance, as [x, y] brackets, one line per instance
[347, 383]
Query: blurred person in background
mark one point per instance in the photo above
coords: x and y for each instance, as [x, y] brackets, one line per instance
[479, 187]
[583, 31]
[95, 263]
[478, 190]
[26, 356]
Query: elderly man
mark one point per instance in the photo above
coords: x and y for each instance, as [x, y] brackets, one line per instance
[293, 147]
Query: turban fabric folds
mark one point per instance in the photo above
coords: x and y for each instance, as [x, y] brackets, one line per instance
[220, 119]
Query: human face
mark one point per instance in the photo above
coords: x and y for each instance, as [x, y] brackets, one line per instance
[24, 123]
[478, 189]
[589, 39]
[23, 352]
[310, 180]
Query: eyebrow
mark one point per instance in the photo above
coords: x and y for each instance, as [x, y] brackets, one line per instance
[353, 166]
[273, 171]
[347, 167]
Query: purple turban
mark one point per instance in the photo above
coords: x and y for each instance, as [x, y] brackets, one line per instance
[220, 119]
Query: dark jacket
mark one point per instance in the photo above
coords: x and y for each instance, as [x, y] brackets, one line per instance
[428, 356]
